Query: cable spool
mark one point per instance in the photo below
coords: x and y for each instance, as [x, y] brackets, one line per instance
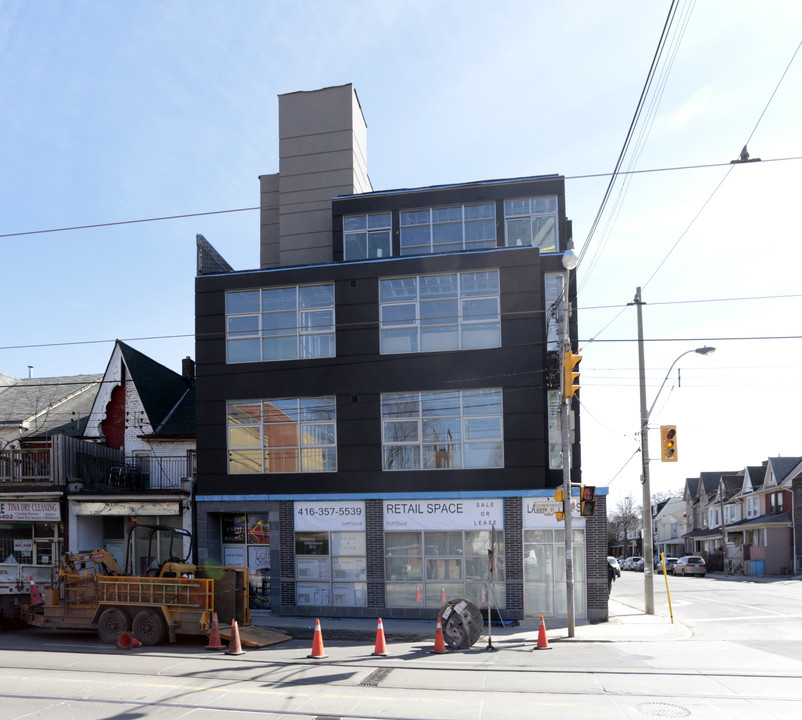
[462, 623]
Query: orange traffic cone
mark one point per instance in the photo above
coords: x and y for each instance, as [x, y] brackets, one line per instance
[417, 593]
[443, 594]
[234, 645]
[542, 640]
[317, 644]
[439, 641]
[381, 646]
[214, 639]
[36, 597]
[124, 641]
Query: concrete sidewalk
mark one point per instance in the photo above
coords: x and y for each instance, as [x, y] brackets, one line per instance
[626, 624]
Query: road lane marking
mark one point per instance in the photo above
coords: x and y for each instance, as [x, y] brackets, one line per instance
[741, 605]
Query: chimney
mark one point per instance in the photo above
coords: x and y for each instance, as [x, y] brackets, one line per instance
[30, 371]
[188, 369]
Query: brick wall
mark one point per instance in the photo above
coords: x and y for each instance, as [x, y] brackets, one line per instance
[513, 558]
[596, 548]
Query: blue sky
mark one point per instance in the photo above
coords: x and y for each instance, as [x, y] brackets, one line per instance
[118, 111]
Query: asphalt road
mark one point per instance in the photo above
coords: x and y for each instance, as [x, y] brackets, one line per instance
[728, 655]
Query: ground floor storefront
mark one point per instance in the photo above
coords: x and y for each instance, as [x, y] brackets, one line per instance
[403, 557]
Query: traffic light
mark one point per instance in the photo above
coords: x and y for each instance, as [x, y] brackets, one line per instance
[587, 495]
[559, 496]
[570, 374]
[668, 443]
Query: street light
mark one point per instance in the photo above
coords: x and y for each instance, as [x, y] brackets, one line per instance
[570, 261]
[648, 547]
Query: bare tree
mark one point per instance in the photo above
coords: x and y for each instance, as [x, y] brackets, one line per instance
[625, 519]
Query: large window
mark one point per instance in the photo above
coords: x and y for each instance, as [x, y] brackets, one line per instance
[544, 572]
[282, 436]
[424, 569]
[367, 236]
[331, 568]
[427, 313]
[531, 221]
[281, 323]
[448, 229]
[442, 430]
[246, 543]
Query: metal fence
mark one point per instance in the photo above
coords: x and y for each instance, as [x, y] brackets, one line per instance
[29, 465]
[149, 472]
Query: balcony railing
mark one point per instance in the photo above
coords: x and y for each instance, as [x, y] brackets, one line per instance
[134, 473]
[24, 466]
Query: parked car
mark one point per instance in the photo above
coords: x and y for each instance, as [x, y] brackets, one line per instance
[669, 564]
[637, 564]
[614, 563]
[629, 563]
[690, 565]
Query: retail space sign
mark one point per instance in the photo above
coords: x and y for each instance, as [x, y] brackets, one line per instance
[30, 511]
[330, 515]
[444, 514]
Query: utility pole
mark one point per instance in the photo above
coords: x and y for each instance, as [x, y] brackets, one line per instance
[648, 540]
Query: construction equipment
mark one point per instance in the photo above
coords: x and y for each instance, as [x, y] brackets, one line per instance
[164, 599]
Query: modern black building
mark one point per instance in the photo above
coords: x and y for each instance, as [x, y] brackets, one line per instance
[378, 405]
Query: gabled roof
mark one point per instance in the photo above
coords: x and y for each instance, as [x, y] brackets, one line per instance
[41, 407]
[781, 467]
[691, 488]
[710, 480]
[755, 475]
[732, 485]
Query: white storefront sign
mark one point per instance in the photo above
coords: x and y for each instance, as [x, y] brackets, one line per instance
[330, 515]
[538, 514]
[30, 511]
[445, 514]
[126, 508]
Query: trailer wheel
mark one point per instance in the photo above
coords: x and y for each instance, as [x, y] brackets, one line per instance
[149, 627]
[112, 622]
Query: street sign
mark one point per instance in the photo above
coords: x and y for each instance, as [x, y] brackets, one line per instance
[547, 506]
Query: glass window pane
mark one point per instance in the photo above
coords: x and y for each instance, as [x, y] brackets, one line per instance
[401, 431]
[354, 222]
[311, 543]
[440, 404]
[246, 301]
[281, 435]
[281, 410]
[244, 461]
[481, 233]
[280, 323]
[319, 434]
[485, 428]
[402, 543]
[479, 283]
[442, 543]
[403, 595]
[481, 336]
[415, 239]
[318, 408]
[544, 205]
[243, 325]
[519, 232]
[443, 570]
[279, 299]
[391, 289]
[435, 287]
[439, 312]
[483, 455]
[258, 530]
[380, 220]
[401, 457]
[319, 459]
[350, 568]
[515, 208]
[482, 402]
[401, 405]
[282, 460]
[447, 237]
[545, 233]
[442, 455]
[317, 346]
[414, 217]
[447, 214]
[433, 339]
[379, 245]
[317, 321]
[485, 210]
[403, 314]
[399, 341]
[315, 296]
[243, 351]
[280, 348]
[244, 413]
[402, 569]
[244, 436]
[480, 309]
[356, 246]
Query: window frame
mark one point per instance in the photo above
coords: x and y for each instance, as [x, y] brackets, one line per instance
[300, 330]
[418, 324]
[367, 231]
[422, 451]
[242, 453]
[437, 217]
[532, 215]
